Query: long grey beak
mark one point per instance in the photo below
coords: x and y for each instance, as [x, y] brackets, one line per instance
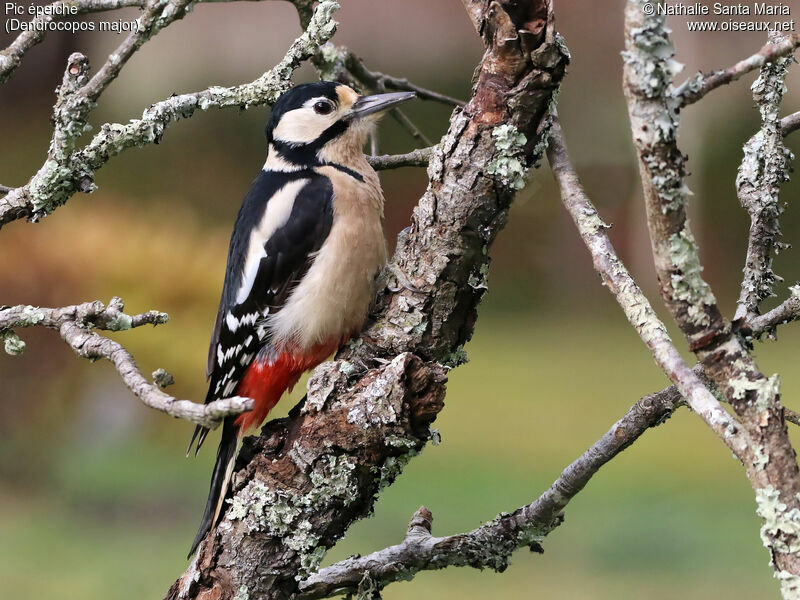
[367, 105]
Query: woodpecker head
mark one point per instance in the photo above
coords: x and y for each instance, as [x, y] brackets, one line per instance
[324, 121]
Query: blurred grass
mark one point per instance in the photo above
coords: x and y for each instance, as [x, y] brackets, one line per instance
[669, 518]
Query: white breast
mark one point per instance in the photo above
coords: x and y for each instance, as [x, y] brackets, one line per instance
[331, 303]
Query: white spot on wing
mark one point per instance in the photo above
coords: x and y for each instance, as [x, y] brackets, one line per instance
[232, 322]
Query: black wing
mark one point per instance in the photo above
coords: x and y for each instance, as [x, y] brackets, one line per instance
[255, 288]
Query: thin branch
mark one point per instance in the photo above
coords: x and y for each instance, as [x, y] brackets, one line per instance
[415, 158]
[790, 123]
[56, 182]
[786, 312]
[792, 416]
[402, 84]
[694, 88]
[765, 166]
[5, 189]
[491, 545]
[378, 81]
[337, 63]
[631, 298]
[76, 325]
[12, 56]
[157, 15]
[407, 124]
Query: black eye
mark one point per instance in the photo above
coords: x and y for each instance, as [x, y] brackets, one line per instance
[323, 107]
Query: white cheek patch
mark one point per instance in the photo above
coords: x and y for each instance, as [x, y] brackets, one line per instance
[302, 125]
[279, 208]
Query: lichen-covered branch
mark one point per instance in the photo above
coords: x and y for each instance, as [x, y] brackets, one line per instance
[765, 166]
[157, 15]
[770, 460]
[58, 179]
[298, 488]
[695, 88]
[415, 158]
[490, 545]
[77, 324]
[12, 56]
[634, 303]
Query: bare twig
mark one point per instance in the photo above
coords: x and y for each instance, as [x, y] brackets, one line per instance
[790, 123]
[402, 84]
[76, 325]
[407, 124]
[12, 56]
[157, 15]
[491, 545]
[56, 181]
[792, 416]
[764, 168]
[5, 189]
[377, 81]
[338, 63]
[415, 158]
[632, 300]
[787, 311]
[694, 88]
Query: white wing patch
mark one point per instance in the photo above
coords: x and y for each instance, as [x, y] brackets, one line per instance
[249, 319]
[277, 213]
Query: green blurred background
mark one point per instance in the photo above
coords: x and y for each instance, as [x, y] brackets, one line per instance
[96, 498]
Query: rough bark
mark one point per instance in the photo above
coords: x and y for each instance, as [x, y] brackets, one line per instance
[299, 487]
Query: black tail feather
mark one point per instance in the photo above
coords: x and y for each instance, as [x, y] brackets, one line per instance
[201, 431]
[219, 480]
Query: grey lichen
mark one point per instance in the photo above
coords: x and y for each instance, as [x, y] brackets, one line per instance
[780, 529]
[380, 405]
[651, 56]
[790, 584]
[479, 280]
[30, 316]
[242, 593]
[760, 457]
[765, 390]
[455, 358]
[12, 343]
[687, 281]
[508, 165]
[392, 467]
[120, 322]
[162, 378]
[49, 188]
[765, 166]
[286, 514]
[435, 437]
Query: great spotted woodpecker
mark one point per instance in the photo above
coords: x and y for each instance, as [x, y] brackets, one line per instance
[305, 251]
